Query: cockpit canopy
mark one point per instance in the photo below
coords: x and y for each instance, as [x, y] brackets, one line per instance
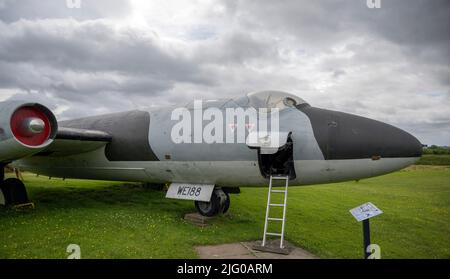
[261, 99]
[273, 99]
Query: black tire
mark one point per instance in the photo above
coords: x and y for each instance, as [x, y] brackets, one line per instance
[214, 207]
[226, 204]
[211, 208]
[14, 192]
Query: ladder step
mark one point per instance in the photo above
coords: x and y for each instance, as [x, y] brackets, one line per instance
[280, 177]
[278, 191]
[276, 204]
[275, 219]
[275, 234]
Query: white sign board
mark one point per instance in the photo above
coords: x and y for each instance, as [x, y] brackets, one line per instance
[186, 191]
[365, 211]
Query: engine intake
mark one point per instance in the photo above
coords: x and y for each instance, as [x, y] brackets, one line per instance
[25, 129]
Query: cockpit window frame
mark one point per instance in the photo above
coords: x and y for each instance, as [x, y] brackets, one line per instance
[258, 100]
[274, 99]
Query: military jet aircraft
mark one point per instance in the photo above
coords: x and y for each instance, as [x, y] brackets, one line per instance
[202, 151]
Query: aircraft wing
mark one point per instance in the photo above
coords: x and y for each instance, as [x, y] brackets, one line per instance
[71, 141]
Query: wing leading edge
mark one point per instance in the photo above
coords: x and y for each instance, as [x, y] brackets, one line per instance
[71, 141]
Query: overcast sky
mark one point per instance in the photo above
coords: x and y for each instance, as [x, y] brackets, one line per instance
[391, 63]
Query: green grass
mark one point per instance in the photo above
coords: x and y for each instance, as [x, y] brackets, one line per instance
[436, 160]
[117, 220]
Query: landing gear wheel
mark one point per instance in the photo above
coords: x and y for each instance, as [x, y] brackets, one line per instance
[14, 192]
[210, 208]
[226, 204]
[2, 173]
[219, 203]
[2, 197]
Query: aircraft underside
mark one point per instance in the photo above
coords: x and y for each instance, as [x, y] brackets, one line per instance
[221, 173]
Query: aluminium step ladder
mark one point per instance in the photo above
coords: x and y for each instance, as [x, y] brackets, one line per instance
[270, 204]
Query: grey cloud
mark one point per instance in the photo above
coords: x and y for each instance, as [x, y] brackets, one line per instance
[81, 62]
[90, 46]
[237, 47]
[422, 26]
[338, 72]
[12, 10]
[390, 64]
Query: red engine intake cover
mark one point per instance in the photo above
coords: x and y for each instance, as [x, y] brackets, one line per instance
[18, 121]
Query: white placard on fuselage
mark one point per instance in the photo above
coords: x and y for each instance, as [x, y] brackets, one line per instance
[187, 191]
[365, 211]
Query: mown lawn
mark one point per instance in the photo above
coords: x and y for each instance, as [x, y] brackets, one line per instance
[436, 160]
[124, 220]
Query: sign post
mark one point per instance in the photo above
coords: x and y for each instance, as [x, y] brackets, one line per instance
[366, 237]
[363, 213]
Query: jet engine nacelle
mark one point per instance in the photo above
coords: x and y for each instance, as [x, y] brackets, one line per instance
[25, 129]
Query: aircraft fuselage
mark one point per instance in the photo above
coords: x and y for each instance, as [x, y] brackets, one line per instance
[327, 146]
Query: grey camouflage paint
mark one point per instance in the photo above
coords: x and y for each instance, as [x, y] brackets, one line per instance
[141, 149]
[305, 145]
[128, 131]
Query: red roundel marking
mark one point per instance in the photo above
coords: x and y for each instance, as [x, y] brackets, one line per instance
[17, 123]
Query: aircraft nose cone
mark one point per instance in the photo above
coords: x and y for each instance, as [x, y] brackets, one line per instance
[356, 137]
[387, 141]
[401, 143]
[346, 136]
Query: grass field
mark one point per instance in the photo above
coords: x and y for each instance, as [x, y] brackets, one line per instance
[117, 220]
[435, 160]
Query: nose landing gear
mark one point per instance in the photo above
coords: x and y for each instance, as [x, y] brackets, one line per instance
[219, 204]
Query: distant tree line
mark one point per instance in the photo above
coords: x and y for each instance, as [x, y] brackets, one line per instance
[436, 150]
